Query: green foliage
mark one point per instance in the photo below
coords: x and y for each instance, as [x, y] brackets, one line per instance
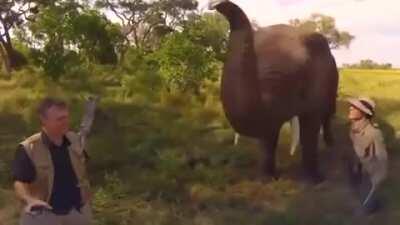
[145, 22]
[72, 37]
[95, 36]
[14, 14]
[55, 60]
[23, 49]
[159, 157]
[49, 30]
[113, 190]
[187, 58]
[183, 64]
[139, 75]
[209, 30]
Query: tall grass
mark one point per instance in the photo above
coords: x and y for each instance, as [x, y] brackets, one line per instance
[163, 157]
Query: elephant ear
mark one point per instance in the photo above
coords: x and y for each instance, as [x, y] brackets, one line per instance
[316, 43]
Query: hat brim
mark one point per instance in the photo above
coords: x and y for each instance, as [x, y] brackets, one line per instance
[356, 103]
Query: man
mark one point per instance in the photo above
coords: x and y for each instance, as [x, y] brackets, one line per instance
[49, 172]
[370, 168]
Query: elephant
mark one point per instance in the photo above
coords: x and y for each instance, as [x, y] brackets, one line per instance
[274, 74]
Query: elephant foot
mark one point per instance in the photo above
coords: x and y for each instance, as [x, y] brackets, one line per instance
[271, 174]
[329, 141]
[269, 178]
[275, 175]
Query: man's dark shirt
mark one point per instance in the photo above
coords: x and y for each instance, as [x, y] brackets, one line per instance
[66, 193]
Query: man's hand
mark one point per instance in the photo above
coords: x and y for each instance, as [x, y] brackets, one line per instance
[31, 202]
[35, 204]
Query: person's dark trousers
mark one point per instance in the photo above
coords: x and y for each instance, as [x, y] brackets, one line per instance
[354, 172]
[362, 187]
[369, 196]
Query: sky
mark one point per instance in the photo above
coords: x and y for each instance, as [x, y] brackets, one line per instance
[374, 23]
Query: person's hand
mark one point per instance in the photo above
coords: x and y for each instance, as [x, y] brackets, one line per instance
[86, 196]
[34, 204]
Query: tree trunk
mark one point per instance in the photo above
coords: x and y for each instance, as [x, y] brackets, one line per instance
[15, 59]
[9, 50]
[6, 61]
[88, 118]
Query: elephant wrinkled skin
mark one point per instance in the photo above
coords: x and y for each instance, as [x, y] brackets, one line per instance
[273, 74]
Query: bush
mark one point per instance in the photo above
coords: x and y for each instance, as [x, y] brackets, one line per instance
[183, 64]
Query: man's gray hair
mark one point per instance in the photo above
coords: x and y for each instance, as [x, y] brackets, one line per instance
[49, 102]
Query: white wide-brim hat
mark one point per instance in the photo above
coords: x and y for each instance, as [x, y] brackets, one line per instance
[364, 104]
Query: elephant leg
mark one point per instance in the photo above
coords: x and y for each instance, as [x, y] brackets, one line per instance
[309, 131]
[268, 144]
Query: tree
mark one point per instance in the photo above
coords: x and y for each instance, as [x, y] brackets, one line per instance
[13, 14]
[67, 34]
[368, 64]
[210, 30]
[95, 37]
[186, 58]
[145, 22]
[184, 64]
[325, 25]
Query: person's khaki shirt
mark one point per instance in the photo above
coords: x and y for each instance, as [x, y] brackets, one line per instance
[369, 145]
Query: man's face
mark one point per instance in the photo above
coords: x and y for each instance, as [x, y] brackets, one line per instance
[56, 120]
[355, 114]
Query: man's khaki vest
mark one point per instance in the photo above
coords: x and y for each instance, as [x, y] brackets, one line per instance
[39, 153]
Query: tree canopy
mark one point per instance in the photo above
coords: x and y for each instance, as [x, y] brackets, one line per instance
[169, 39]
[144, 22]
[325, 25]
[13, 15]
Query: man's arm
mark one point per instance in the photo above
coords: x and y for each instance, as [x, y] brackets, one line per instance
[23, 173]
[22, 191]
[22, 167]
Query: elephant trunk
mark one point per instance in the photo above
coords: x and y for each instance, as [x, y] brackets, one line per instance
[240, 90]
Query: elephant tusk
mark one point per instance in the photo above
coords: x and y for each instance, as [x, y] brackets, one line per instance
[295, 131]
[236, 139]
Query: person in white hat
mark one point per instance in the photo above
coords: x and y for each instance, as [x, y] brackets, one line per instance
[369, 147]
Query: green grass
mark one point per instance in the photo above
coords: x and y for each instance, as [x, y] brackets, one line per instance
[159, 158]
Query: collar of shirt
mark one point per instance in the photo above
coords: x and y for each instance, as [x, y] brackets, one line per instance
[46, 140]
[359, 125]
